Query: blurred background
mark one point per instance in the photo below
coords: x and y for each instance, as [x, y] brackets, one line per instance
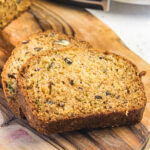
[131, 22]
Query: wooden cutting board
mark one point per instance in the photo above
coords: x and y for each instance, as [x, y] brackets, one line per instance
[18, 135]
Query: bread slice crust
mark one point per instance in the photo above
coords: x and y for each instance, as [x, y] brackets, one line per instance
[93, 120]
[17, 53]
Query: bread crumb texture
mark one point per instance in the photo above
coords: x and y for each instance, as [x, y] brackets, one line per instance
[36, 44]
[9, 9]
[75, 83]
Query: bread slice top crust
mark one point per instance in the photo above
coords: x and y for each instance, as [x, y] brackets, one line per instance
[77, 83]
[37, 43]
[9, 9]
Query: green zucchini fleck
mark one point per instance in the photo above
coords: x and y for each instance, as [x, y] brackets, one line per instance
[10, 86]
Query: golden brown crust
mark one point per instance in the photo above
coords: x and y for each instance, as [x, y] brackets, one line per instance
[108, 119]
[13, 103]
[91, 121]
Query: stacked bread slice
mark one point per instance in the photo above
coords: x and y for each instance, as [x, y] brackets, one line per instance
[61, 84]
[35, 44]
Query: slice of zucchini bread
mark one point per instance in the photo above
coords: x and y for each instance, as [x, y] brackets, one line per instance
[9, 9]
[73, 89]
[37, 43]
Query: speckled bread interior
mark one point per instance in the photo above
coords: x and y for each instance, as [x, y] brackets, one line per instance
[35, 44]
[78, 88]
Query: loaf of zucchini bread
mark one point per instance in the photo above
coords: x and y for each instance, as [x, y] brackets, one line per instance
[72, 89]
[9, 9]
[37, 43]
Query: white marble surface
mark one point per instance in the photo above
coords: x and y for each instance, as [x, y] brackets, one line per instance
[131, 23]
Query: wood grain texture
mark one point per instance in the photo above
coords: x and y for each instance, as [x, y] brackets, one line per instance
[26, 24]
[78, 23]
[5, 44]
